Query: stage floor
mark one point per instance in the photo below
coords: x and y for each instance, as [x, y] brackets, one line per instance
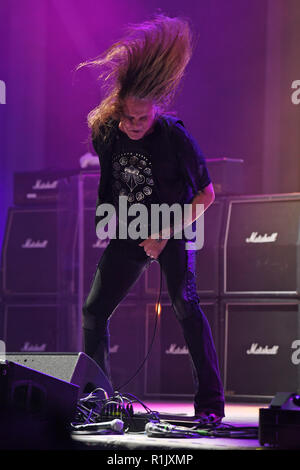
[236, 414]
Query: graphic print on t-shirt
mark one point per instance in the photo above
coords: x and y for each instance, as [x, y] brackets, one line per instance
[132, 177]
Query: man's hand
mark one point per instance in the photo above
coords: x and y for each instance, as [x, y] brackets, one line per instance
[153, 247]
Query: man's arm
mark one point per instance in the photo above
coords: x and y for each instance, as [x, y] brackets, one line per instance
[205, 197]
[155, 245]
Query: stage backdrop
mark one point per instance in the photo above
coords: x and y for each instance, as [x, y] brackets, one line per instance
[239, 98]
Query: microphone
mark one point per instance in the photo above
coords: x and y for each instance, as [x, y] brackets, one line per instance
[114, 425]
[161, 428]
[170, 430]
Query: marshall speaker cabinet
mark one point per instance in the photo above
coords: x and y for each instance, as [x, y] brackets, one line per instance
[261, 246]
[261, 347]
[33, 188]
[168, 370]
[127, 342]
[30, 255]
[227, 174]
[50, 249]
[207, 258]
[38, 327]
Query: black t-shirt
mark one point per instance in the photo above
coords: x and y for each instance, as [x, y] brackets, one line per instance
[131, 170]
[132, 174]
[190, 160]
[147, 173]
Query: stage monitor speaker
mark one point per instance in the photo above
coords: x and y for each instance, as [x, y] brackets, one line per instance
[76, 368]
[261, 254]
[286, 401]
[207, 258]
[168, 371]
[29, 390]
[280, 423]
[261, 347]
[36, 410]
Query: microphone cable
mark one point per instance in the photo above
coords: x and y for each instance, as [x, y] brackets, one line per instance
[153, 336]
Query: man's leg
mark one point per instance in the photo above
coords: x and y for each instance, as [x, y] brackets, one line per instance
[120, 266]
[178, 265]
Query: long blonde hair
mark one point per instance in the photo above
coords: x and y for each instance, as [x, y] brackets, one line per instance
[148, 63]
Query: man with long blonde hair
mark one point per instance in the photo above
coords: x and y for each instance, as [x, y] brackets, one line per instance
[147, 157]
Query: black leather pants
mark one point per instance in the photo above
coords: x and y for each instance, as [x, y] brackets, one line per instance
[121, 264]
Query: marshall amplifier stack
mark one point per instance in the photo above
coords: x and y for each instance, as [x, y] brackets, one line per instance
[248, 282]
[49, 257]
[260, 295]
[34, 315]
[247, 279]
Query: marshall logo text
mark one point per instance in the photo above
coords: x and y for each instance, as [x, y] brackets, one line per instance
[256, 349]
[34, 347]
[256, 238]
[29, 243]
[39, 184]
[177, 350]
